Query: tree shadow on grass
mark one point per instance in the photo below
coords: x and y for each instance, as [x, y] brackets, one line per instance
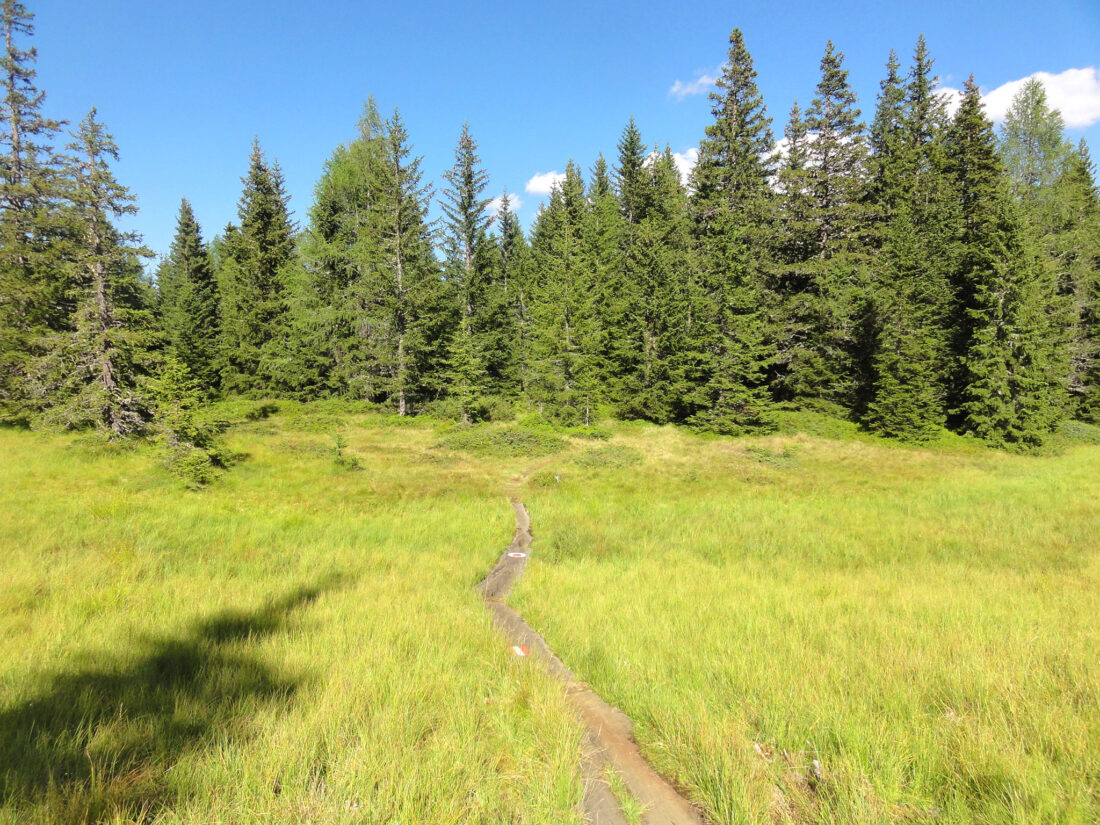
[102, 741]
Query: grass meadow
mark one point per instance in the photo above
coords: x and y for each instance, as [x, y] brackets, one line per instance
[819, 631]
[812, 627]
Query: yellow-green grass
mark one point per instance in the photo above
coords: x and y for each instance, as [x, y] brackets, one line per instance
[300, 642]
[297, 643]
[921, 622]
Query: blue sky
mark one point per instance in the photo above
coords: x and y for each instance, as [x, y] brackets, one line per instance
[185, 87]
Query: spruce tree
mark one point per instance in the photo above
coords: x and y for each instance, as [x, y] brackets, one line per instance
[566, 334]
[912, 197]
[35, 297]
[479, 354]
[92, 376]
[662, 263]
[825, 299]
[630, 172]
[1002, 391]
[514, 264]
[730, 205]
[602, 235]
[188, 302]
[406, 310]
[254, 324]
[1073, 246]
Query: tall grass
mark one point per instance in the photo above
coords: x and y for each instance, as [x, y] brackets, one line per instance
[845, 631]
[297, 643]
[809, 629]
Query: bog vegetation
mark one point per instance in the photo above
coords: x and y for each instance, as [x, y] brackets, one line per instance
[805, 629]
[855, 611]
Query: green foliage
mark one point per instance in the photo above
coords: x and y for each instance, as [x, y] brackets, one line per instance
[189, 302]
[1004, 391]
[255, 262]
[503, 442]
[92, 375]
[191, 443]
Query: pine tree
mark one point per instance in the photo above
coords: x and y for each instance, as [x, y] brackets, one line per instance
[825, 306]
[189, 302]
[469, 272]
[912, 196]
[630, 173]
[514, 265]
[1073, 245]
[406, 310]
[602, 235]
[1002, 392]
[34, 295]
[255, 295]
[565, 322]
[92, 376]
[730, 205]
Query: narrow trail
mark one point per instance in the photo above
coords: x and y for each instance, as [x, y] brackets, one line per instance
[608, 739]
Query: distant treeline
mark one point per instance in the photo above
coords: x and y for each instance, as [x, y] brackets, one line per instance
[916, 274]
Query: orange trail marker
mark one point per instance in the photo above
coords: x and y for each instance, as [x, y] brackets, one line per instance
[519, 650]
[517, 555]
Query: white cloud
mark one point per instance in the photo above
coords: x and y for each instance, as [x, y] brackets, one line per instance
[685, 162]
[543, 182]
[1074, 92]
[952, 98]
[698, 86]
[514, 203]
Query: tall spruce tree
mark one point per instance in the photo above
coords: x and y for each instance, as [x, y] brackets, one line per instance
[1002, 391]
[602, 235]
[405, 305]
[255, 293]
[731, 205]
[912, 196]
[35, 297]
[515, 267]
[566, 334]
[1072, 242]
[481, 353]
[188, 303]
[92, 376]
[658, 263]
[826, 222]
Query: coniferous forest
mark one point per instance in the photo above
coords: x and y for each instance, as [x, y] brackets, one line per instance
[888, 261]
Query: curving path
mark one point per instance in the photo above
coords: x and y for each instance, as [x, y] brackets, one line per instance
[608, 739]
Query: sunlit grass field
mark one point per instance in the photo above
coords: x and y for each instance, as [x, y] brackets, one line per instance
[817, 631]
[298, 643]
[805, 629]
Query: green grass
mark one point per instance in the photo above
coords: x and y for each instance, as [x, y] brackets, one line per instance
[297, 643]
[923, 623]
[300, 642]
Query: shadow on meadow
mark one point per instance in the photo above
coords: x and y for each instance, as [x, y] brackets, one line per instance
[103, 741]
